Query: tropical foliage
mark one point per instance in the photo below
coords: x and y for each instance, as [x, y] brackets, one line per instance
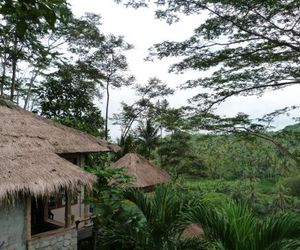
[238, 181]
[158, 221]
[235, 227]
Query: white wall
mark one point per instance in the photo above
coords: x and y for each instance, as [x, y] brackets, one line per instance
[12, 227]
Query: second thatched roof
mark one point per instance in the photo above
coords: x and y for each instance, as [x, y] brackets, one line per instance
[144, 172]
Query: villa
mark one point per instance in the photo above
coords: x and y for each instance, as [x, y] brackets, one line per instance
[42, 181]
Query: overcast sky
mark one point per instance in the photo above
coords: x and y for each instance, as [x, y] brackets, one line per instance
[140, 28]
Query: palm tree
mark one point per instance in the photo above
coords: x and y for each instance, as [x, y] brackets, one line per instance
[153, 222]
[148, 133]
[157, 221]
[235, 227]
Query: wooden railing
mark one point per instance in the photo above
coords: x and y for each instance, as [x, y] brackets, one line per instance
[87, 231]
[90, 218]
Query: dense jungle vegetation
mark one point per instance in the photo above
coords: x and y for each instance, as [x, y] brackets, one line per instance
[236, 178]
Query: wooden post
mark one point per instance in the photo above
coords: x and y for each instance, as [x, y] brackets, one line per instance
[86, 209]
[80, 163]
[84, 192]
[68, 208]
[28, 217]
[79, 202]
[46, 209]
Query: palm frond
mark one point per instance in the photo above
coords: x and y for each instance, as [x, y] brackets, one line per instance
[232, 227]
[278, 231]
[141, 200]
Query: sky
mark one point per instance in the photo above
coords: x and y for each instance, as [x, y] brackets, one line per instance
[142, 29]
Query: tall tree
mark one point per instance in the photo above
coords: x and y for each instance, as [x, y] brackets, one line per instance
[24, 21]
[251, 46]
[67, 95]
[144, 107]
[83, 36]
[178, 157]
[112, 62]
[148, 135]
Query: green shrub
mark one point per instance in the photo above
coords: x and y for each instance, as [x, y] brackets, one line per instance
[293, 185]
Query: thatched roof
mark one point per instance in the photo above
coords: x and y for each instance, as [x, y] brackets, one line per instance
[144, 172]
[18, 125]
[193, 231]
[29, 154]
[111, 146]
[39, 174]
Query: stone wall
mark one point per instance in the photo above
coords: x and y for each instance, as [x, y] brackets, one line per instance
[65, 240]
[12, 227]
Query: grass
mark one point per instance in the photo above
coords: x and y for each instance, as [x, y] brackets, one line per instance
[266, 187]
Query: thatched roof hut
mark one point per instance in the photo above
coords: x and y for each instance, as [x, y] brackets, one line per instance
[144, 172]
[193, 231]
[29, 154]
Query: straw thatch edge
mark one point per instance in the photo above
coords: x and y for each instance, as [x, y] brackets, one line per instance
[138, 167]
[66, 176]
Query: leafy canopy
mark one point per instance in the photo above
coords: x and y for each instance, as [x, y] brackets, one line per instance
[28, 12]
[250, 46]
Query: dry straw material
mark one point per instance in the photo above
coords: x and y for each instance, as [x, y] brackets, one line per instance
[144, 172]
[17, 124]
[193, 231]
[39, 174]
[29, 154]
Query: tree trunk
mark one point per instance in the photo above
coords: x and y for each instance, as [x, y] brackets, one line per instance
[106, 111]
[3, 75]
[29, 88]
[14, 67]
